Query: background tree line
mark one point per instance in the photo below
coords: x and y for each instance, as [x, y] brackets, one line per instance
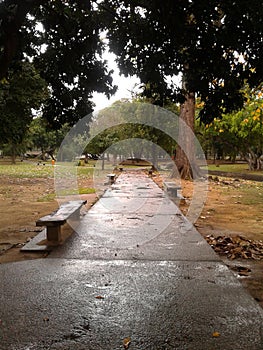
[237, 134]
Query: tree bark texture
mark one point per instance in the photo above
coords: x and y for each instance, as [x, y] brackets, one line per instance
[185, 154]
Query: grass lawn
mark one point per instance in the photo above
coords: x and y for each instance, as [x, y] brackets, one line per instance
[26, 170]
[233, 168]
[246, 192]
[32, 169]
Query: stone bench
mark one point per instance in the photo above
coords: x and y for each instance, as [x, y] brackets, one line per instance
[54, 221]
[111, 178]
[172, 189]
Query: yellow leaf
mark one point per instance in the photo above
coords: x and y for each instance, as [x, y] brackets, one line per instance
[216, 334]
[126, 342]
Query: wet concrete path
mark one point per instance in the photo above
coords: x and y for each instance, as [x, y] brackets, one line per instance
[135, 271]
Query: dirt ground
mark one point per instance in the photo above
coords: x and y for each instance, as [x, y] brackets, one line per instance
[230, 211]
[23, 201]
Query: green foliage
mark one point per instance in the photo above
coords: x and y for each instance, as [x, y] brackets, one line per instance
[63, 40]
[124, 110]
[22, 91]
[240, 132]
[215, 45]
[48, 141]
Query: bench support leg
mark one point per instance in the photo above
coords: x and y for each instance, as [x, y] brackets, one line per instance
[54, 233]
[111, 180]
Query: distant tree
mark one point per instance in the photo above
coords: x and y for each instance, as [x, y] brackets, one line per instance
[132, 118]
[14, 149]
[41, 137]
[241, 132]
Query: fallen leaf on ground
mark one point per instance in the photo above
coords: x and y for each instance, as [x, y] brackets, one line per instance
[241, 270]
[216, 334]
[126, 342]
[99, 297]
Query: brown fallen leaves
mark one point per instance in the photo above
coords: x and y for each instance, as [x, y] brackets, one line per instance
[236, 247]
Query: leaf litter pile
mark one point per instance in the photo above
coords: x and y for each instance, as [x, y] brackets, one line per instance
[236, 247]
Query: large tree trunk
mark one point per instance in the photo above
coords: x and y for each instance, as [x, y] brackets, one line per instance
[13, 154]
[185, 154]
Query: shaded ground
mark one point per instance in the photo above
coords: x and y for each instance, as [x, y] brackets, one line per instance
[22, 202]
[232, 207]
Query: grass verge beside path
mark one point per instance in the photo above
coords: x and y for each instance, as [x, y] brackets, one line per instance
[239, 170]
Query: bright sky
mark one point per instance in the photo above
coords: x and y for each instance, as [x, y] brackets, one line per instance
[125, 85]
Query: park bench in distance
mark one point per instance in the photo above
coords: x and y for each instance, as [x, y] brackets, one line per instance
[172, 189]
[111, 178]
[54, 221]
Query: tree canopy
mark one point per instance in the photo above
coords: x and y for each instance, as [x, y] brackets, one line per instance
[239, 133]
[62, 39]
[216, 45]
[48, 141]
[23, 91]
